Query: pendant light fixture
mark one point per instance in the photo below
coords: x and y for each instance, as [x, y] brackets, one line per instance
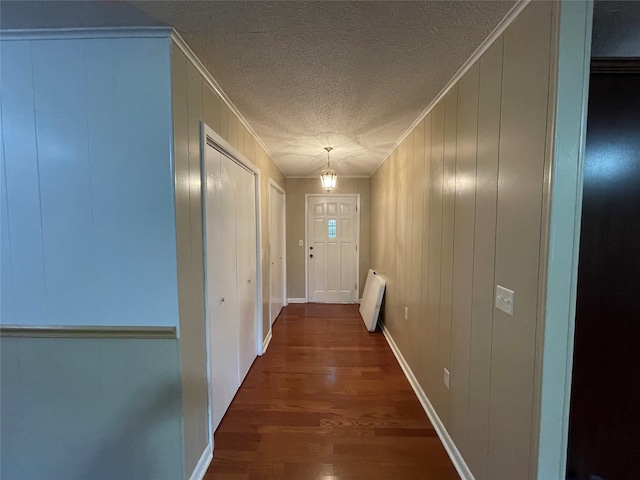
[328, 176]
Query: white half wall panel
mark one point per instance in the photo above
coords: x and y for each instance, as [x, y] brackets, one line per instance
[88, 210]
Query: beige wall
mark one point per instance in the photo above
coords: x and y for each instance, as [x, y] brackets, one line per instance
[458, 210]
[194, 101]
[297, 188]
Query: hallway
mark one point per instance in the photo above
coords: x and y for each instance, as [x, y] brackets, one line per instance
[327, 401]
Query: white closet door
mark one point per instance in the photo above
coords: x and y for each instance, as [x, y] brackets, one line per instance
[222, 294]
[277, 252]
[246, 261]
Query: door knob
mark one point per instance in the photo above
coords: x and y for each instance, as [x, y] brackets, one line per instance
[310, 248]
[248, 281]
[311, 256]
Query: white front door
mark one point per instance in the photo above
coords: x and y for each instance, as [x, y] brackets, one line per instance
[332, 250]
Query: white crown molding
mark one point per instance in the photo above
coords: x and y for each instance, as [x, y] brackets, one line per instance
[184, 47]
[84, 33]
[339, 176]
[509, 18]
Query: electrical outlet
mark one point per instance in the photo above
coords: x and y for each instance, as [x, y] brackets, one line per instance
[406, 313]
[301, 243]
[446, 378]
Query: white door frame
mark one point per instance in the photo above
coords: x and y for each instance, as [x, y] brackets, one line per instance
[306, 239]
[223, 146]
[274, 184]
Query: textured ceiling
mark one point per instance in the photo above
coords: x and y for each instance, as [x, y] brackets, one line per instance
[352, 75]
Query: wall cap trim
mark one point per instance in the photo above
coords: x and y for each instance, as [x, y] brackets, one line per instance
[509, 18]
[87, 331]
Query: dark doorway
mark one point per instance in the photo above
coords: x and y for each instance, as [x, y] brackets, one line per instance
[604, 426]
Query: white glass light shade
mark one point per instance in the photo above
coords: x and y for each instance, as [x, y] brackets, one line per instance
[329, 179]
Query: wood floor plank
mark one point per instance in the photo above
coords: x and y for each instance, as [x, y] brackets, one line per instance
[327, 401]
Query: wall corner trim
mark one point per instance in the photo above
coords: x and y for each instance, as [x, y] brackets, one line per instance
[508, 19]
[453, 452]
[184, 47]
[297, 300]
[203, 464]
[266, 342]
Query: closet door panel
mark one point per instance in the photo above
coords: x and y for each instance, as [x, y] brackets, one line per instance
[246, 261]
[225, 360]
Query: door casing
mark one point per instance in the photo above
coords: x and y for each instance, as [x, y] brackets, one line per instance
[206, 133]
[273, 184]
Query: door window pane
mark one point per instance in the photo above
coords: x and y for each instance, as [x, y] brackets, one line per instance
[332, 229]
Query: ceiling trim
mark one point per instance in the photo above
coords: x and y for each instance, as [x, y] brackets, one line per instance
[88, 32]
[184, 47]
[509, 18]
[339, 176]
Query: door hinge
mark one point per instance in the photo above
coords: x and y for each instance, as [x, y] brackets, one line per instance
[356, 286]
[356, 248]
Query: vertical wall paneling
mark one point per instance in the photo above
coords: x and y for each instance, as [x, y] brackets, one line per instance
[194, 102]
[520, 183]
[463, 245]
[86, 196]
[425, 335]
[195, 361]
[448, 219]
[107, 165]
[417, 194]
[20, 185]
[65, 173]
[435, 386]
[486, 184]
[224, 121]
[114, 414]
[232, 129]
[483, 218]
[142, 75]
[406, 271]
[211, 107]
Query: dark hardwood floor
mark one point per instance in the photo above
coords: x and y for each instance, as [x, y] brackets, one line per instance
[327, 401]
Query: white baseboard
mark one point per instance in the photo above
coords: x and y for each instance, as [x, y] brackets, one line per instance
[297, 300]
[203, 464]
[266, 342]
[447, 441]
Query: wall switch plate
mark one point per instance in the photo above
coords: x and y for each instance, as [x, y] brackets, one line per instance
[301, 243]
[446, 378]
[505, 300]
[406, 313]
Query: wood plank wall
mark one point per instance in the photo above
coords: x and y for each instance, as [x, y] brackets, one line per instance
[456, 209]
[194, 101]
[87, 208]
